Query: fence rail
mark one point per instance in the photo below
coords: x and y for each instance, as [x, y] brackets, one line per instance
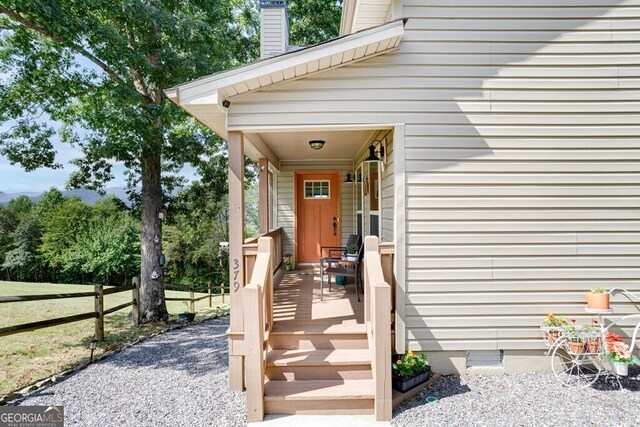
[99, 311]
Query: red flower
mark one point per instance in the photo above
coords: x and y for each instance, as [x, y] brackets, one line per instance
[611, 339]
[573, 320]
[595, 322]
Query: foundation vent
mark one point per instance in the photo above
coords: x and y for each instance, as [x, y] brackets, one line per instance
[485, 359]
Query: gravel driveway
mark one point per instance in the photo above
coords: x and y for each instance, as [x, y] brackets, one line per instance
[174, 379]
[180, 379]
[532, 399]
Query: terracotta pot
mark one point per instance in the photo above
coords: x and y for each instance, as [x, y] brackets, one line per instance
[576, 347]
[598, 301]
[552, 337]
[593, 346]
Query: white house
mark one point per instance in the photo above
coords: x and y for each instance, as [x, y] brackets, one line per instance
[508, 185]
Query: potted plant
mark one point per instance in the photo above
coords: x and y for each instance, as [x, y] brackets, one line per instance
[591, 335]
[188, 315]
[619, 354]
[409, 371]
[574, 339]
[352, 253]
[598, 299]
[287, 261]
[553, 327]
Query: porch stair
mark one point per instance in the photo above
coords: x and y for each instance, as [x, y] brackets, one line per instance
[315, 370]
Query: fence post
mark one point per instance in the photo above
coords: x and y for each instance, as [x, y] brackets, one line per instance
[192, 305]
[210, 295]
[136, 300]
[222, 291]
[99, 308]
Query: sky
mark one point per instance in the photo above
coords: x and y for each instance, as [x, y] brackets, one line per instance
[14, 179]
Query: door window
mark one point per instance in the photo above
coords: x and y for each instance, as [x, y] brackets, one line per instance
[317, 189]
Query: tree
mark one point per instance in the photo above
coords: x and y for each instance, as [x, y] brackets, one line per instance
[21, 207]
[102, 67]
[108, 250]
[22, 259]
[8, 223]
[61, 227]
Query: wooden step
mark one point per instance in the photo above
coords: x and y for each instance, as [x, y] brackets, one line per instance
[344, 364]
[333, 357]
[353, 337]
[331, 397]
[317, 327]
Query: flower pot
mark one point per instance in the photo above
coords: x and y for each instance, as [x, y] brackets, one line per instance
[352, 258]
[593, 346]
[598, 301]
[576, 347]
[403, 384]
[341, 280]
[621, 369]
[186, 317]
[552, 337]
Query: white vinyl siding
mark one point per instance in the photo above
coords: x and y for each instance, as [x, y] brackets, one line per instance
[274, 32]
[522, 148]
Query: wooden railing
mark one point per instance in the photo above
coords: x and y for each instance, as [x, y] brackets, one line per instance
[377, 310]
[258, 322]
[250, 249]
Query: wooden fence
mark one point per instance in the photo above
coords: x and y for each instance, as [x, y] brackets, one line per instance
[192, 299]
[99, 312]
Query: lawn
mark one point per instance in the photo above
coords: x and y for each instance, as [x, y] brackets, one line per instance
[30, 356]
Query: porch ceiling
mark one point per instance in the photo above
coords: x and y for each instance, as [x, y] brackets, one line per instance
[294, 146]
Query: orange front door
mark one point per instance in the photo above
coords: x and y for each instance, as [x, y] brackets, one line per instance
[317, 214]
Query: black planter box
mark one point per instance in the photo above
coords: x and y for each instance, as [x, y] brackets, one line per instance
[403, 384]
[186, 317]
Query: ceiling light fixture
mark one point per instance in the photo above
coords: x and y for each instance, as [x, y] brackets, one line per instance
[316, 144]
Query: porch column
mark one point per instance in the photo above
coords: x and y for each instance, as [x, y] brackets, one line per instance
[236, 261]
[263, 200]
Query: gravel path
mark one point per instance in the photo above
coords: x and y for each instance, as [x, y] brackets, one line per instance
[180, 379]
[532, 399]
[174, 379]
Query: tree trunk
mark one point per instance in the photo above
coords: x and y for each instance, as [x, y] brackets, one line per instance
[153, 307]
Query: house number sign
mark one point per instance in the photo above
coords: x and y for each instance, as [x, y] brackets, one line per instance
[236, 272]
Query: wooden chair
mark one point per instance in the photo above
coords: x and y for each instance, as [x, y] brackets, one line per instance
[335, 263]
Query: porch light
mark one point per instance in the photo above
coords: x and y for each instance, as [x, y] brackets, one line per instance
[316, 144]
[349, 180]
[373, 153]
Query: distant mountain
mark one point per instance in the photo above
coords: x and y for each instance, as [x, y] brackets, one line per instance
[87, 196]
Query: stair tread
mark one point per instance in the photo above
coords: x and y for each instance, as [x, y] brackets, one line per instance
[310, 357]
[318, 329]
[319, 390]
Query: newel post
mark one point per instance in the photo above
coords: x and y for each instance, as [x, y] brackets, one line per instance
[236, 260]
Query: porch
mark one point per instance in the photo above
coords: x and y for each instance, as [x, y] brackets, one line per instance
[303, 355]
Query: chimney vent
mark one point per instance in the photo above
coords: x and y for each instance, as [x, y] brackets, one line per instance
[274, 28]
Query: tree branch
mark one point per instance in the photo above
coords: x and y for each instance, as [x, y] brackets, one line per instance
[16, 16]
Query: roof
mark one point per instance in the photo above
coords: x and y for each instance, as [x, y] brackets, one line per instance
[211, 91]
[361, 14]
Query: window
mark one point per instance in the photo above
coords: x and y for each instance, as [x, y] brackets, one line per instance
[317, 189]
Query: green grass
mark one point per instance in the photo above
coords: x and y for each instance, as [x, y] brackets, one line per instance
[29, 356]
